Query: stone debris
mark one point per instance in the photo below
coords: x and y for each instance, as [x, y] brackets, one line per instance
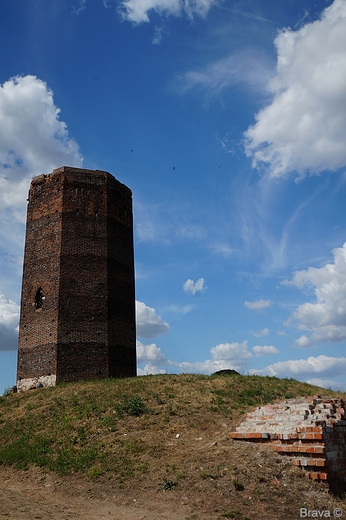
[309, 430]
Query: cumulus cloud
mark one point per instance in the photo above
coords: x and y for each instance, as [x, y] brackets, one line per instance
[303, 341]
[148, 323]
[150, 369]
[33, 140]
[304, 127]
[258, 305]
[326, 318]
[324, 366]
[191, 287]
[266, 350]
[137, 11]
[150, 353]
[225, 355]
[9, 318]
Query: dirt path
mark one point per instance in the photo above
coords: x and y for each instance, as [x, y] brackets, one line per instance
[34, 495]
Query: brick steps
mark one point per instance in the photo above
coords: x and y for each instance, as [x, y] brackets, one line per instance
[311, 431]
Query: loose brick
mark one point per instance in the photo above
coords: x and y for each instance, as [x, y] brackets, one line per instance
[315, 427]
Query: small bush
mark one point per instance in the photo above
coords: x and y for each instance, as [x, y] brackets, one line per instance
[238, 485]
[168, 484]
[94, 472]
[131, 405]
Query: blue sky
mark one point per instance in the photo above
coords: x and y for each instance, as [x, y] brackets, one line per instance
[227, 119]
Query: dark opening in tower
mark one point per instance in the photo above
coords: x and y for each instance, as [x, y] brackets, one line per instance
[39, 298]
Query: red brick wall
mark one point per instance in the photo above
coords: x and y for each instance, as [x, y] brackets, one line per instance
[79, 249]
[38, 331]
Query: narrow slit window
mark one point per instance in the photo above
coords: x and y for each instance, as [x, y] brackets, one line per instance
[39, 298]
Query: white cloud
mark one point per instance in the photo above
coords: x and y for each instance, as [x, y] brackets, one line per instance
[303, 341]
[190, 231]
[261, 333]
[326, 383]
[266, 350]
[148, 323]
[150, 369]
[234, 350]
[9, 318]
[157, 38]
[225, 355]
[304, 127]
[259, 304]
[32, 139]
[179, 309]
[158, 223]
[324, 366]
[325, 319]
[221, 249]
[207, 367]
[137, 11]
[82, 6]
[191, 287]
[150, 353]
[244, 67]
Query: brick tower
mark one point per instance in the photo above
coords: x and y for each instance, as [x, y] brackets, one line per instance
[77, 318]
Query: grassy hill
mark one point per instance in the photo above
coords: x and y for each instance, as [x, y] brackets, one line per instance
[162, 434]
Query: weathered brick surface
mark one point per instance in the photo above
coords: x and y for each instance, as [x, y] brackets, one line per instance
[79, 252]
[309, 430]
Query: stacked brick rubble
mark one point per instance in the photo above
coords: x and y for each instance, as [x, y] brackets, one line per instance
[309, 430]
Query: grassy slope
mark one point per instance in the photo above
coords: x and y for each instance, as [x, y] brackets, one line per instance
[169, 430]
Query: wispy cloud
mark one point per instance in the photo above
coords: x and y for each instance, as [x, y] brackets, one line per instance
[222, 249]
[82, 6]
[154, 222]
[158, 35]
[258, 305]
[248, 67]
[246, 14]
[137, 11]
[261, 333]
[179, 309]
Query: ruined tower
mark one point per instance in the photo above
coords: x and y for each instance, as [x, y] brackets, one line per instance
[77, 318]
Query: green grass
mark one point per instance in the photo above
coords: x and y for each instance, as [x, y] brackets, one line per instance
[118, 426]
